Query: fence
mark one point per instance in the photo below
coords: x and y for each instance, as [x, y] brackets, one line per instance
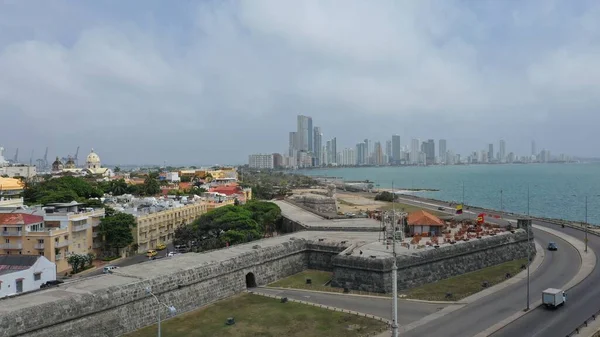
[585, 324]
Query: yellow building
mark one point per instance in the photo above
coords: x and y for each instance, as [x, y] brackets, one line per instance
[11, 192]
[159, 227]
[63, 229]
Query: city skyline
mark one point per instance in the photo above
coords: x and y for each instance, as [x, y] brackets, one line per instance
[390, 152]
[149, 82]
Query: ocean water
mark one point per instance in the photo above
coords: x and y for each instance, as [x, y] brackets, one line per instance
[555, 190]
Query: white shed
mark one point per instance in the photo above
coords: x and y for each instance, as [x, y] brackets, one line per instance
[22, 273]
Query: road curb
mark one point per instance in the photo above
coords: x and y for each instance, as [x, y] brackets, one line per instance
[588, 263]
[325, 307]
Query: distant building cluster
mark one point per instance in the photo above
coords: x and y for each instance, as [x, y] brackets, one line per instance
[306, 148]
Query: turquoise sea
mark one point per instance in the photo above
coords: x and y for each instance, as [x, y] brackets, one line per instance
[555, 190]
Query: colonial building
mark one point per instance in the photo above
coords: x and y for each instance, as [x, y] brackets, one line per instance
[93, 166]
[22, 273]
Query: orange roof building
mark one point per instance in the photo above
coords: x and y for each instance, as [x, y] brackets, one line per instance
[423, 222]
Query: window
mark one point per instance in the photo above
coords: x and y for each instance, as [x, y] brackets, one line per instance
[37, 276]
[6, 240]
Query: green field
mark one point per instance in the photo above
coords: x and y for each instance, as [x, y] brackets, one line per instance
[465, 285]
[460, 286]
[266, 317]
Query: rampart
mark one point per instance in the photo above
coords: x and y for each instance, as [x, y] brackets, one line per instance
[374, 274]
[116, 304]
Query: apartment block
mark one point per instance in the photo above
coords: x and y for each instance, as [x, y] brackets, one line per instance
[55, 232]
[159, 226]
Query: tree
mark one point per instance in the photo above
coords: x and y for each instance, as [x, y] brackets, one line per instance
[151, 186]
[385, 196]
[116, 230]
[117, 169]
[63, 189]
[78, 262]
[118, 187]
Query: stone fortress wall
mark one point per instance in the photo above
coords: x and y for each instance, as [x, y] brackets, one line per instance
[115, 310]
[375, 274]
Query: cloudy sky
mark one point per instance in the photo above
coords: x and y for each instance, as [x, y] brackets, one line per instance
[205, 82]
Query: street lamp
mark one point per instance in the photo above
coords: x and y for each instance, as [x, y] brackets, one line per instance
[501, 204]
[171, 308]
[585, 230]
[528, 247]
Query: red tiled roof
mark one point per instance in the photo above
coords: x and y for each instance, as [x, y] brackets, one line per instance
[185, 186]
[227, 189]
[422, 218]
[19, 219]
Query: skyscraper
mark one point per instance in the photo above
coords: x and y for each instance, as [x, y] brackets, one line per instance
[414, 151]
[442, 151]
[304, 133]
[396, 149]
[388, 150]
[533, 149]
[310, 135]
[360, 154]
[293, 144]
[502, 151]
[317, 145]
[490, 154]
[378, 154]
[430, 152]
[367, 152]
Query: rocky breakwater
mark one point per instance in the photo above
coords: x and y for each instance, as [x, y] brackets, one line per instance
[374, 273]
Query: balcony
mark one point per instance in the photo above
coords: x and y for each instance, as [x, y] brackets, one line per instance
[81, 228]
[58, 257]
[38, 246]
[95, 234]
[11, 233]
[96, 224]
[61, 244]
[11, 245]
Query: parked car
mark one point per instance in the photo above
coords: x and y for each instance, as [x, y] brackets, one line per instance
[151, 253]
[161, 246]
[441, 208]
[107, 269]
[49, 284]
[173, 254]
[552, 246]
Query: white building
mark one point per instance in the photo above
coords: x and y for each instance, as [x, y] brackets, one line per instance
[22, 273]
[173, 176]
[261, 161]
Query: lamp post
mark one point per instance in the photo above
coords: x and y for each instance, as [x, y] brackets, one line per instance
[394, 269]
[501, 202]
[585, 229]
[528, 248]
[171, 308]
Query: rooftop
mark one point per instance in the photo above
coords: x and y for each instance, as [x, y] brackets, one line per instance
[423, 218]
[10, 184]
[13, 263]
[19, 219]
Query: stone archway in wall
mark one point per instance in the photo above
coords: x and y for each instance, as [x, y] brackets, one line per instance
[250, 281]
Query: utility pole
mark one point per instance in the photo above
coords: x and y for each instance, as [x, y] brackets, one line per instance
[586, 223]
[394, 270]
[528, 247]
[463, 196]
[501, 205]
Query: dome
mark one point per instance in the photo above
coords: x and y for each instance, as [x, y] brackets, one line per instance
[93, 160]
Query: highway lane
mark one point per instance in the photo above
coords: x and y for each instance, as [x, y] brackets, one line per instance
[583, 301]
[408, 311]
[557, 269]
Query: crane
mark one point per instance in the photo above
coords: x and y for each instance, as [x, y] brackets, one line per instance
[42, 163]
[46, 159]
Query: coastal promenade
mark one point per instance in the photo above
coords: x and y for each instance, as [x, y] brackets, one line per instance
[583, 297]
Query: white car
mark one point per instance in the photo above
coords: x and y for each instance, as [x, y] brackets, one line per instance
[172, 254]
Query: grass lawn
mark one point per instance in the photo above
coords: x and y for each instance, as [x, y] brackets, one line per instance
[464, 285]
[411, 208]
[460, 286]
[261, 316]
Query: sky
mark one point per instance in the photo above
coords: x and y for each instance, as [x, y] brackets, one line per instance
[210, 82]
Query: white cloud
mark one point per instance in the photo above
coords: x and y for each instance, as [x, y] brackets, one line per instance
[259, 63]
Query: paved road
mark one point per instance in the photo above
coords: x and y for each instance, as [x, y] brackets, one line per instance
[407, 311]
[583, 299]
[134, 260]
[487, 311]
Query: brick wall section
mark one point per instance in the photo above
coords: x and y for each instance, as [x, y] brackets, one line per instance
[319, 254]
[374, 275]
